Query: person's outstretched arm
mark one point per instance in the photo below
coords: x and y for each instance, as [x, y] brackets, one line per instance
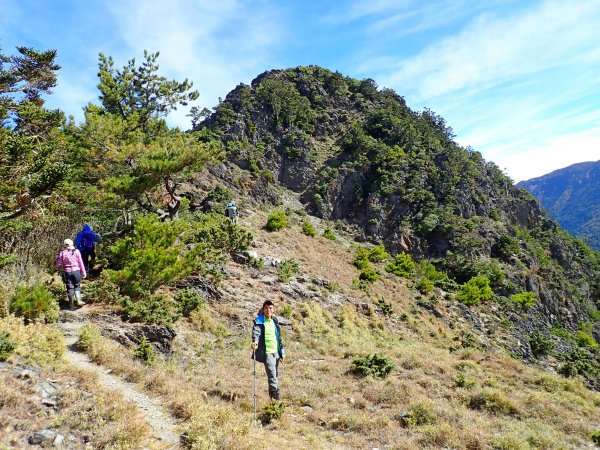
[255, 335]
[80, 264]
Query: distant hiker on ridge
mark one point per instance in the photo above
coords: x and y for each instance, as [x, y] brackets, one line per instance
[267, 345]
[86, 243]
[69, 259]
[232, 212]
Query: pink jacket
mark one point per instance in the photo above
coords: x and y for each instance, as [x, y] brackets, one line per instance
[70, 261]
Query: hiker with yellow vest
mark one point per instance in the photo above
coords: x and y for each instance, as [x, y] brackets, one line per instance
[268, 345]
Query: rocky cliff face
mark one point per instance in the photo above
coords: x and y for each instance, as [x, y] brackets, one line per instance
[359, 155]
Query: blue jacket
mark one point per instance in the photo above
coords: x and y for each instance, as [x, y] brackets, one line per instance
[86, 239]
[258, 335]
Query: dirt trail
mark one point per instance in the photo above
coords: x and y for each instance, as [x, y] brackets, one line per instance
[163, 425]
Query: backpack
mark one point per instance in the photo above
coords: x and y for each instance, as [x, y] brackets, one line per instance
[231, 212]
[87, 242]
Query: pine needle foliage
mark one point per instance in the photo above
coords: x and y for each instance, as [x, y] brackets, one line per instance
[374, 365]
[157, 253]
[34, 304]
[474, 291]
[7, 346]
[309, 229]
[144, 351]
[276, 221]
[402, 266]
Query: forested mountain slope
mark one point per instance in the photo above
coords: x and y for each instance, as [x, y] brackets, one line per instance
[395, 176]
[572, 196]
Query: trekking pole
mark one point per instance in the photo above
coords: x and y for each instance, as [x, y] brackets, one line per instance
[254, 382]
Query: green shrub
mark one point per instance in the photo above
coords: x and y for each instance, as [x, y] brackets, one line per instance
[492, 401]
[595, 437]
[402, 266]
[102, 289]
[328, 234]
[540, 344]
[361, 285]
[253, 165]
[465, 339]
[559, 331]
[89, 338]
[372, 365]
[188, 300]
[309, 229]
[204, 319]
[272, 411]
[156, 253]
[418, 414]
[474, 291]
[217, 232]
[6, 260]
[584, 339]
[150, 309]
[7, 346]
[276, 221]
[594, 313]
[287, 311]
[144, 351]
[286, 270]
[378, 254]
[268, 176]
[34, 304]
[386, 307]
[369, 275]
[508, 246]
[582, 361]
[361, 258]
[257, 263]
[462, 382]
[429, 271]
[524, 300]
[219, 194]
[425, 285]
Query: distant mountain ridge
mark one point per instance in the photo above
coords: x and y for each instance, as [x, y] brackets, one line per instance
[572, 196]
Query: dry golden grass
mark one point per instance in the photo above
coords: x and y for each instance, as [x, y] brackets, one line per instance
[471, 398]
[90, 416]
[106, 417]
[36, 342]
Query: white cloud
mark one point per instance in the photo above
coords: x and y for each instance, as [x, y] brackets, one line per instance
[214, 44]
[555, 153]
[516, 87]
[71, 97]
[493, 50]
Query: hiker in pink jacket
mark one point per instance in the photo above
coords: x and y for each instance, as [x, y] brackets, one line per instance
[69, 259]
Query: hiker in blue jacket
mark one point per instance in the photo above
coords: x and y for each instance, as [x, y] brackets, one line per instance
[268, 346]
[232, 212]
[86, 243]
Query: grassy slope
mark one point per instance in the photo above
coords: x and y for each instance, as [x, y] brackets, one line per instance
[467, 398]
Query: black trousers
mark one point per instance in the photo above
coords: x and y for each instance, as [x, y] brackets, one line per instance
[88, 256]
[72, 283]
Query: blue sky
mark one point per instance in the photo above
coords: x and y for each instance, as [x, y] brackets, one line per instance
[518, 81]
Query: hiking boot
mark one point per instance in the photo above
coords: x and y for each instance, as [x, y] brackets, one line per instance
[78, 299]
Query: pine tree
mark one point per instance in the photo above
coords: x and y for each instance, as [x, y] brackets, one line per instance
[141, 155]
[32, 143]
